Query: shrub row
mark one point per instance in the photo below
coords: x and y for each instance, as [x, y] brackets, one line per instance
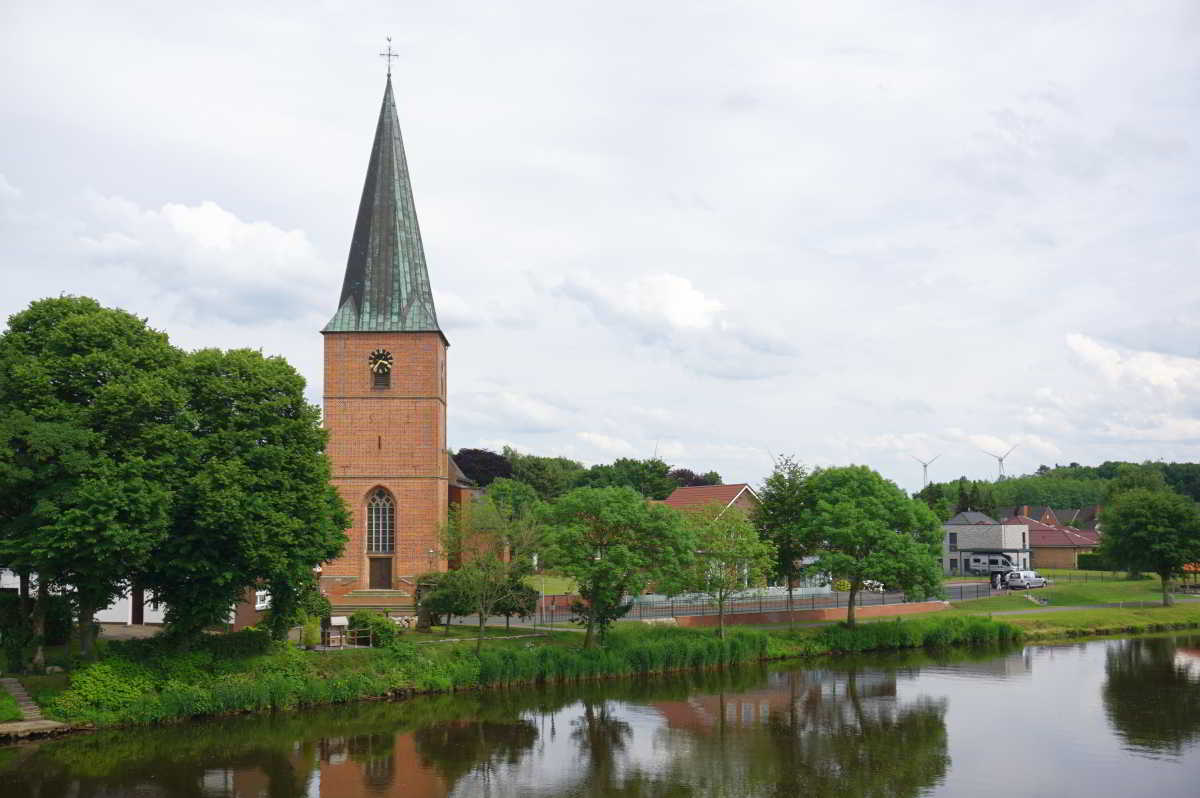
[633, 651]
[905, 634]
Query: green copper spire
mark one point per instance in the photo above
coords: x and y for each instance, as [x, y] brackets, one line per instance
[386, 288]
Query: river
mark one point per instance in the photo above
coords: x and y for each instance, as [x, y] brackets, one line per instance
[1101, 718]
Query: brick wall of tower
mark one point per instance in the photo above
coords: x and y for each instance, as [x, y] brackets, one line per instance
[393, 438]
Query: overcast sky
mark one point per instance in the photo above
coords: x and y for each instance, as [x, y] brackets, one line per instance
[852, 232]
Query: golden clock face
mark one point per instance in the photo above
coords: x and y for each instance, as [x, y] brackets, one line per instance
[380, 361]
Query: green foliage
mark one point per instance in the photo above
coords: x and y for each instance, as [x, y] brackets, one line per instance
[841, 585]
[549, 476]
[383, 632]
[1094, 561]
[784, 496]
[123, 458]
[687, 478]
[730, 557]
[926, 632]
[613, 543]
[634, 649]
[1131, 477]
[253, 502]
[867, 528]
[9, 709]
[1152, 530]
[311, 636]
[650, 477]
[441, 594]
[482, 466]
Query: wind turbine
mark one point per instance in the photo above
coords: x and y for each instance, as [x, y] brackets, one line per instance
[1000, 459]
[924, 468]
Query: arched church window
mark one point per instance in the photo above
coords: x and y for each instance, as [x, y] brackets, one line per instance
[381, 523]
[380, 362]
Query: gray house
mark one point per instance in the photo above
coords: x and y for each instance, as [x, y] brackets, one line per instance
[976, 534]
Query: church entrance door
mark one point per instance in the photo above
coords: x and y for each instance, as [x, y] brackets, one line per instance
[381, 573]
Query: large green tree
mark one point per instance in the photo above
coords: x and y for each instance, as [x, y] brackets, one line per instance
[125, 460]
[864, 527]
[89, 398]
[730, 557]
[784, 498]
[252, 499]
[613, 542]
[1152, 530]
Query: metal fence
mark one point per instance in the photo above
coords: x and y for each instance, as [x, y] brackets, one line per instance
[557, 609]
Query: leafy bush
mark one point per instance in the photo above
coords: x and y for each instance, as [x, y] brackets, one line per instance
[383, 631]
[842, 585]
[932, 632]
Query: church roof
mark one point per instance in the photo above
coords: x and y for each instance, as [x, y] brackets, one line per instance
[386, 288]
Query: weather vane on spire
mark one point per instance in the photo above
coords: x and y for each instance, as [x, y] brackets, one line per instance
[389, 55]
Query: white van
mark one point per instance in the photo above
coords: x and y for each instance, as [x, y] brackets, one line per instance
[1023, 580]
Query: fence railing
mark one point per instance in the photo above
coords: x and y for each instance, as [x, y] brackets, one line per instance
[557, 609]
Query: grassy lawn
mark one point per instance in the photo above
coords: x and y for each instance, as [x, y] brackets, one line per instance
[1069, 594]
[8, 707]
[555, 585]
[1113, 620]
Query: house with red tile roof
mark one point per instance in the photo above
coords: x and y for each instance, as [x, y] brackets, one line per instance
[1055, 545]
[739, 495]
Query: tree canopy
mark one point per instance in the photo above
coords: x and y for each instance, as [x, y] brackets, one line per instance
[730, 557]
[784, 499]
[613, 542]
[864, 527]
[125, 459]
[481, 466]
[1152, 530]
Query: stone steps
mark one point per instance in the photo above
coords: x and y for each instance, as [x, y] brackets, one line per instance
[29, 709]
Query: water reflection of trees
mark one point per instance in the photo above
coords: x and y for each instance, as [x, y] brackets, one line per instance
[740, 732]
[460, 747]
[1152, 694]
[836, 734]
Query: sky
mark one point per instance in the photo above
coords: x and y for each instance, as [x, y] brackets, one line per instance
[854, 232]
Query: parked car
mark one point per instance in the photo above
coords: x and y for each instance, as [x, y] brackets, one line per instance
[872, 586]
[1023, 580]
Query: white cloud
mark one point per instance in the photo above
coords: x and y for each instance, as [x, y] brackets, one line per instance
[1171, 376]
[606, 443]
[851, 241]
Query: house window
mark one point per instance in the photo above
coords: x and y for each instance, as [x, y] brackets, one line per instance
[262, 599]
[381, 523]
[953, 541]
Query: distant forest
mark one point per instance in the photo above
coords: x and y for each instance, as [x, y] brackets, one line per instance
[1057, 486]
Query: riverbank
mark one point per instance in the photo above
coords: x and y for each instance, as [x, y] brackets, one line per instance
[141, 682]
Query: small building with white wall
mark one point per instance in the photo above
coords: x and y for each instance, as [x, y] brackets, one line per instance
[976, 533]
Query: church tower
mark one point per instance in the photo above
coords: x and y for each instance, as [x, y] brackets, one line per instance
[385, 392]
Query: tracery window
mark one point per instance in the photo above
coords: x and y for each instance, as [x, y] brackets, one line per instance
[381, 523]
